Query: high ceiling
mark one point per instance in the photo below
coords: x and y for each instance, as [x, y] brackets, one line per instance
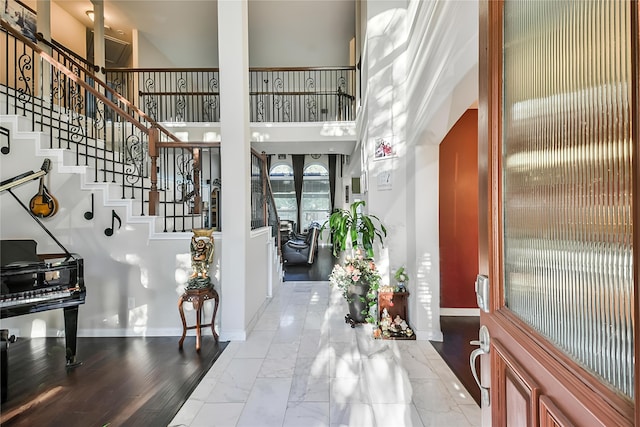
[171, 25]
[285, 32]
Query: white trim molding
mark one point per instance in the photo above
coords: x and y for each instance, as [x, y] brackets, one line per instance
[459, 311]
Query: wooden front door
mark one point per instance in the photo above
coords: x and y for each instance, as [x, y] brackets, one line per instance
[558, 139]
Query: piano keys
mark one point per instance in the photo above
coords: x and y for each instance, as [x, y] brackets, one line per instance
[31, 283]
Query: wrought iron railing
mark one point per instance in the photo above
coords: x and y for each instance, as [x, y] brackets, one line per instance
[179, 181]
[169, 95]
[263, 206]
[275, 94]
[302, 94]
[188, 185]
[106, 132]
[66, 56]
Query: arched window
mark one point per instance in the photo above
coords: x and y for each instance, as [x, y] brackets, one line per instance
[284, 192]
[316, 197]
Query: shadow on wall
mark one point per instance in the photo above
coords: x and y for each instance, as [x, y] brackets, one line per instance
[425, 319]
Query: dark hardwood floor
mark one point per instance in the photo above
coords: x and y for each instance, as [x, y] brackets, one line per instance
[121, 382]
[145, 381]
[317, 272]
[458, 332]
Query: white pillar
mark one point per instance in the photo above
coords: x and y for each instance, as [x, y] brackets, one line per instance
[385, 70]
[233, 51]
[425, 290]
[98, 34]
[43, 26]
[43, 20]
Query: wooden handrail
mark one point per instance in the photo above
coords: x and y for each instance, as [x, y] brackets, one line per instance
[275, 92]
[149, 70]
[90, 88]
[188, 144]
[152, 132]
[159, 70]
[324, 68]
[65, 52]
[141, 93]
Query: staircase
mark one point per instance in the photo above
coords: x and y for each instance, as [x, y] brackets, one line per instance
[25, 143]
[129, 194]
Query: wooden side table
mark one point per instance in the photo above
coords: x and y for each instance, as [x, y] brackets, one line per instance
[197, 297]
[396, 303]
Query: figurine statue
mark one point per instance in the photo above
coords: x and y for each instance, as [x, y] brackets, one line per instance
[202, 250]
[400, 323]
[385, 320]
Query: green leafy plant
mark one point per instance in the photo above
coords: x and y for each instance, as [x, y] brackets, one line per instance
[354, 227]
[401, 276]
[358, 271]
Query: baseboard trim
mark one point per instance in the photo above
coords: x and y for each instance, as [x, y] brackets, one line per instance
[459, 311]
[429, 335]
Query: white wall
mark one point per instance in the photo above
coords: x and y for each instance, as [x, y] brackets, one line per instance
[64, 28]
[282, 33]
[300, 33]
[258, 275]
[420, 61]
[133, 282]
[422, 71]
[442, 66]
[148, 55]
[442, 83]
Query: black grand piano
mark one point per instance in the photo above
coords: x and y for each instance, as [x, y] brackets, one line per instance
[32, 282]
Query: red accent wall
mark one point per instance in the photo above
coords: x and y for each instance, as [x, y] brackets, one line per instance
[458, 199]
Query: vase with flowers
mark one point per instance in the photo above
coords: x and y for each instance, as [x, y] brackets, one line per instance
[358, 280]
[355, 232]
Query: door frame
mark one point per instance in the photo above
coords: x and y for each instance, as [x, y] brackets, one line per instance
[542, 357]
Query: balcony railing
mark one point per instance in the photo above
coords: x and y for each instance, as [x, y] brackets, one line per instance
[185, 95]
[275, 94]
[302, 94]
[118, 142]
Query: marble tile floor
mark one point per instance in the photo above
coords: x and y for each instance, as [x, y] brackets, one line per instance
[303, 366]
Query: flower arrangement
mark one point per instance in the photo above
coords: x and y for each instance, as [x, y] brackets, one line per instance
[401, 277]
[358, 270]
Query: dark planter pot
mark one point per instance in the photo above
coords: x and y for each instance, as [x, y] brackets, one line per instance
[356, 305]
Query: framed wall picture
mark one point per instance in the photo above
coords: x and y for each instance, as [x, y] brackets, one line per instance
[20, 17]
[384, 180]
[384, 148]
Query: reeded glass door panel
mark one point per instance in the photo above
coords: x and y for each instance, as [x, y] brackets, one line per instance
[567, 179]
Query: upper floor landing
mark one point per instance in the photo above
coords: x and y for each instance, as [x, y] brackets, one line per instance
[292, 110]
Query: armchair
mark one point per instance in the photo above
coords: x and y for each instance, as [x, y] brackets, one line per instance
[286, 229]
[302, 248]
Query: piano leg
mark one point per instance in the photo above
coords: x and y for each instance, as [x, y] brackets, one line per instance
[4, 368]
[71, 334]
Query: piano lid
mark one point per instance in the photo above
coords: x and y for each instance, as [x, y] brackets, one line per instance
[26, 177]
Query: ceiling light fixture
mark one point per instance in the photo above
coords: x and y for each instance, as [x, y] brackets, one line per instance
[91, 16]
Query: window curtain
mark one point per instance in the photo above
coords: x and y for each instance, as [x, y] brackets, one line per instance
[297, 161]
[332, 180]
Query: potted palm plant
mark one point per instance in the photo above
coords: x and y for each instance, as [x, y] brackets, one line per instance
[354, 228]
[357, 277]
